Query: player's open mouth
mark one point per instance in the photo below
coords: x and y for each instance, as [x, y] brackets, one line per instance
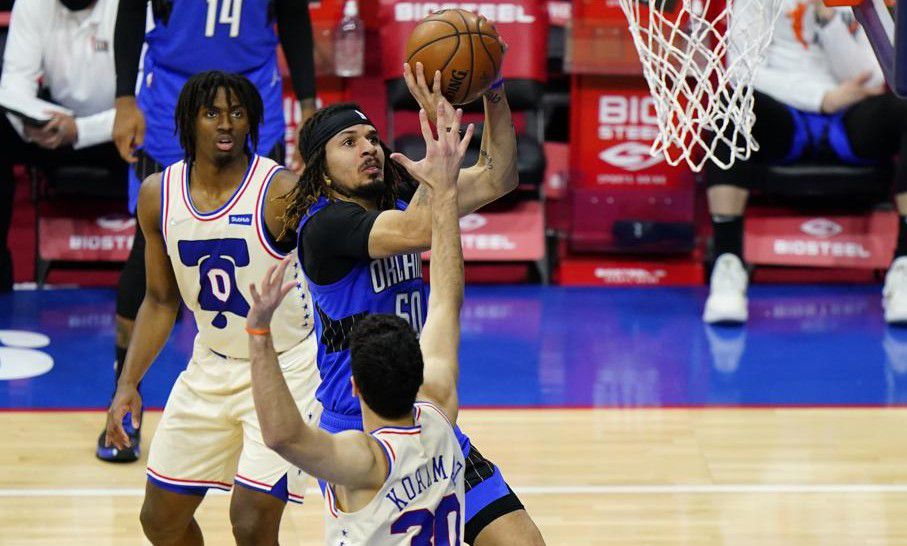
[224, 143]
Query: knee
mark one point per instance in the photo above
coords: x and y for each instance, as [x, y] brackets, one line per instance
[159, 526]
[254, 527]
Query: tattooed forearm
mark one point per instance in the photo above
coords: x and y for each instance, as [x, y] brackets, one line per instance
[494, 97]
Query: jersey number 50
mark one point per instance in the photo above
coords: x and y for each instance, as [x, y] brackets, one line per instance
[229, 15]
[409, 308]
[430, 525]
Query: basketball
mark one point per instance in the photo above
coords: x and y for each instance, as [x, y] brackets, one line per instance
[463, 46]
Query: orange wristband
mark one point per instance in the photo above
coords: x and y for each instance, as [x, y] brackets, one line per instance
[258, 331]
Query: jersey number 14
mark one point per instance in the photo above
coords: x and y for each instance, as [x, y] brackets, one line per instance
[230, 11]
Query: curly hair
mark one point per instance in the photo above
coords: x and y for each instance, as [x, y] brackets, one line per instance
[387, 364]
[200, 91]
[312, 185]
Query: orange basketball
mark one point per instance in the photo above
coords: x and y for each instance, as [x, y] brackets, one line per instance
[463, 46]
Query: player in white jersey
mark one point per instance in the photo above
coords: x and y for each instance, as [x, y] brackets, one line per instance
[213, 226]
[400, 483]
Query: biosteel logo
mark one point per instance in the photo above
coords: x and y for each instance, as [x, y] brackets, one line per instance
[821, 227]
[498, 13]
[630, 156]
[472, 222]
[629, 275]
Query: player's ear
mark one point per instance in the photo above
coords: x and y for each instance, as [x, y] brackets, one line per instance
[355, 388]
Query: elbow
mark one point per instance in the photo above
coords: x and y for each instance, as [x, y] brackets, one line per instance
[170, 302]
[277, 442]
[512, 180]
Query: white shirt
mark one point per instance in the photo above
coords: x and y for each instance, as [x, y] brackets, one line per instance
[804, 61]
[422, 497]
[72, 52]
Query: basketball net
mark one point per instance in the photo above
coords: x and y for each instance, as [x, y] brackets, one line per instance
[700, 78]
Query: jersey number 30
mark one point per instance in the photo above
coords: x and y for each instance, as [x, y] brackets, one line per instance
[432, 526]
[229, 15]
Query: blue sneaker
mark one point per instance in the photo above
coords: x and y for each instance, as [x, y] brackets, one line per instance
[113, 455]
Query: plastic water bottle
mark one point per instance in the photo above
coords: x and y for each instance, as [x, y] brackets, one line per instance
[349, 42]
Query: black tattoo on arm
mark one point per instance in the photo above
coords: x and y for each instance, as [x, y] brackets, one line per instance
[494, 97]
[489, 161]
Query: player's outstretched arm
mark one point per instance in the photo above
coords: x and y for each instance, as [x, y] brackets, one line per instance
[495, 173]
[440, 339]
[155, 317]
[351, 458]
[397, 232]
[441, 336]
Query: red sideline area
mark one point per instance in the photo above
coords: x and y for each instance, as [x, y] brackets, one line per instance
[22, 246]
[620, 217]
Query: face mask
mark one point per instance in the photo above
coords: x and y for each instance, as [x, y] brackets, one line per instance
[76, 5]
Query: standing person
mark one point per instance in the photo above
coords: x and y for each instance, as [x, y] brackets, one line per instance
[191, 36]
[210, 222]
[360, 251]
[67, 44]
[402, 482]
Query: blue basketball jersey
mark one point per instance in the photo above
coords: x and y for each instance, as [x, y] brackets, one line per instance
[390, 285]
[230, 35]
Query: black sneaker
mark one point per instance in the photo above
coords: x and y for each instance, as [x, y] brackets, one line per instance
[113, 455]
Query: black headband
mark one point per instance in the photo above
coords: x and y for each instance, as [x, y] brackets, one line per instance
[329, 127]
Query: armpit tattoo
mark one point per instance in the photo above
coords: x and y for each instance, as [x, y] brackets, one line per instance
[489, 161]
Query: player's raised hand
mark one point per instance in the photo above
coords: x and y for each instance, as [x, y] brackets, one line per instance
[127, 399]
[264, 303]
[428, 98]
[128, 128]
[444, 154]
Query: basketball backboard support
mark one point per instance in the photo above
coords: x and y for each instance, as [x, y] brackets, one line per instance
[882, 28]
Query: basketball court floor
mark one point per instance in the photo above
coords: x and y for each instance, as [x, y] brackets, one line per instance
[615, 413]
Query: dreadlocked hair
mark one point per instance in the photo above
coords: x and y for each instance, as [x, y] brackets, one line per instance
[200, 91]
[312, 185]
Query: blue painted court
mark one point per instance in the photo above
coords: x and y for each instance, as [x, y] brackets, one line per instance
[529, 346]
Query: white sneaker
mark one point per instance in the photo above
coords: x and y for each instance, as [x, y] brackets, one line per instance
[894, 295]
[727, 291]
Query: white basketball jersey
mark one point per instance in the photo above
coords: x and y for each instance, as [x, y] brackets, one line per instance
[216, 256]
[422, 499]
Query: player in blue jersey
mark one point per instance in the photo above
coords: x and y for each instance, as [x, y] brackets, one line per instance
[408, 391]
[188, 37]
[360, 249]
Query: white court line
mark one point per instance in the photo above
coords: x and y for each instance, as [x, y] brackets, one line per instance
[630, 489]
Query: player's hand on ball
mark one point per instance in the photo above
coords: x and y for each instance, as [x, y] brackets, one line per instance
[273, 291]
[127, 399]
[427, 98]
[443, 155]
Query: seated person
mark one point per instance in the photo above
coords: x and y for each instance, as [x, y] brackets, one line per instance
[68, 46]
[819, 94]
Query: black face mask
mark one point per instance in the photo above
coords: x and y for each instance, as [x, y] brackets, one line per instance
[76, 5]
